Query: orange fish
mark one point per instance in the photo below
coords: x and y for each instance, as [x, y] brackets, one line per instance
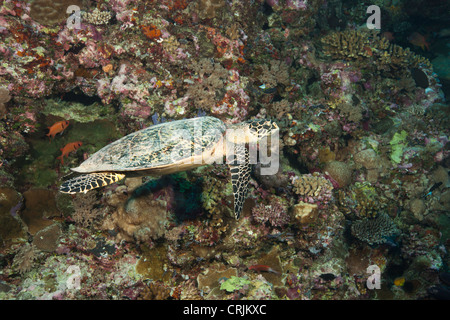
[369, 51]
[58, 127]
[68, 148]
[388, 35]
[262, 268]
[399, 282]
[419, 40]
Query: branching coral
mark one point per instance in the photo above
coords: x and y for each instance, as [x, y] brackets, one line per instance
[24, 259]
[97, 17]
[374, 231]
[365, 45]
[208, 89]
[273, 74]
[85, 209]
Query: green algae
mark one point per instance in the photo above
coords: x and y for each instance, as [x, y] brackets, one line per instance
[397, 146]
[234, 283]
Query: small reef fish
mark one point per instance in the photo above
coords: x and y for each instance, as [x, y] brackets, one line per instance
[419, 40]
[388, 35]
[368, 50]
[282, 236]
[399, 282]
[58, 127]
[434, 187]
[262, 268]
[68, 148]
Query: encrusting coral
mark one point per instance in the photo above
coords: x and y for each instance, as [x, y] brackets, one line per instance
[305, 213]
[48, 12]
[208, 9]
[313, 188]
[47, 238]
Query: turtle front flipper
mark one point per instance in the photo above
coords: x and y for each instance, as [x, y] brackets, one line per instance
[240, 175]
[90, 181]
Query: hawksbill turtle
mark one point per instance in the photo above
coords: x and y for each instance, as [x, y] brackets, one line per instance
[173, 147]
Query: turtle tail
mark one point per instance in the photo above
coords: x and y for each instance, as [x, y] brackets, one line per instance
[90, 181]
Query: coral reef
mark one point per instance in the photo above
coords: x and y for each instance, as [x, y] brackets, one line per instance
[363, 149]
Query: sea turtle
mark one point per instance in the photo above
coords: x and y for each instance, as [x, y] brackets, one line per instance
[172, 147]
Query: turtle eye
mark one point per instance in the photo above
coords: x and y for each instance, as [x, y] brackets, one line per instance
[268, 127]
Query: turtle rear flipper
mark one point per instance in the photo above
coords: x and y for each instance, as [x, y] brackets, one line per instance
[90, 181]
[240, 175]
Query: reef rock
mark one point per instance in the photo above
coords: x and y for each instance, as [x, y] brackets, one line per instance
[305, 213]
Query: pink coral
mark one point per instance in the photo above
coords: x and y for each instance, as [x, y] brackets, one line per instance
[275, 214]
[296, 4]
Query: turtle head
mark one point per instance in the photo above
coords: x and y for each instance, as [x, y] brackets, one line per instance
[260, 128]
[251, 131]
